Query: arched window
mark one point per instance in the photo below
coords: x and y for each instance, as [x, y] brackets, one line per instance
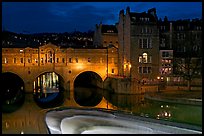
[144, 56]
[49, 56]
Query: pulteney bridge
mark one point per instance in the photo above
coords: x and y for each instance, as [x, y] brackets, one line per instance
[68, 63]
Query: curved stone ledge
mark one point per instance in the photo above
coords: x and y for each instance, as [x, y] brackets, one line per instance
[189, 101]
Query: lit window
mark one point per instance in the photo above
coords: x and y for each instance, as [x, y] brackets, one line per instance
[36, 60]
[144, 55]
[140, 59]
[5, 60]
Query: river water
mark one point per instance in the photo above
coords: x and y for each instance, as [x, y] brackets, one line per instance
[138, 105]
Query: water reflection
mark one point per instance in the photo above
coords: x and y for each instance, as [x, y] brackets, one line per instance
[12, 91]
[138, 105]
[47, 89]
[91, 96]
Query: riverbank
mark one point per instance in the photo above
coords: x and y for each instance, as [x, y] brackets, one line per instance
[177, 96]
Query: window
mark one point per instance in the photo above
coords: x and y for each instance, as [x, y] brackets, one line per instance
[57, 60]
[21, 60]
[14, 60]
[166, 70]
[165, 54]
[145, 43]
[144, 56]
[5, 60]
[162, 42]
[149, 43]
[63, 60]
[70, 60]
[195, 48]
[140, 43]
[140, 59]
[36, 60]
[145, 70]
[89, 59]
[112, 71]
[149, 70]
[140, 70]
[29, 60]
[50, 56]
[41, 60]
[76, 60]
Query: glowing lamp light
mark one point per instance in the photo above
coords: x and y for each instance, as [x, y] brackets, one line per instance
[158, 77]
[129, 65]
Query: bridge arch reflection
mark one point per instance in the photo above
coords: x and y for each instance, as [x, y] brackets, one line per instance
[88, 88]
[48, 90]
[12, 90]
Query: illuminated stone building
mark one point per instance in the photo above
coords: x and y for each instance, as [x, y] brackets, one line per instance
[138, 45]
[68, 63]
[138, 50]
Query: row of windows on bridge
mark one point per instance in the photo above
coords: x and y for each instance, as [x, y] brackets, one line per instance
[70, 60]
[144, 58]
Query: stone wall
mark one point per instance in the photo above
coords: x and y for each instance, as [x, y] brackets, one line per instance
[126, 86]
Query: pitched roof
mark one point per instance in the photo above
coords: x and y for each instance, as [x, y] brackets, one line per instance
[135, 17]
[109, 29]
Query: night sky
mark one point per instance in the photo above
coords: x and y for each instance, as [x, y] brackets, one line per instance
[59, 17]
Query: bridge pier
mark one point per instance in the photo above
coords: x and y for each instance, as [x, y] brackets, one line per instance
[69, 94]
[28, 87]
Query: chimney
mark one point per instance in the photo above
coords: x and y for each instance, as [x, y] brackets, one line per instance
[122, 12]
[152, 11]
[128, 10]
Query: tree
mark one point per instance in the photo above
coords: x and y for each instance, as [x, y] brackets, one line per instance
[188, 63]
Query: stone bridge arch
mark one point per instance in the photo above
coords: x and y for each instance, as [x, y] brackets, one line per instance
[16, 73]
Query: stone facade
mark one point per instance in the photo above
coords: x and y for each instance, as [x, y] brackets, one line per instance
[138, 45]
[28, 63]
[132, 52]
